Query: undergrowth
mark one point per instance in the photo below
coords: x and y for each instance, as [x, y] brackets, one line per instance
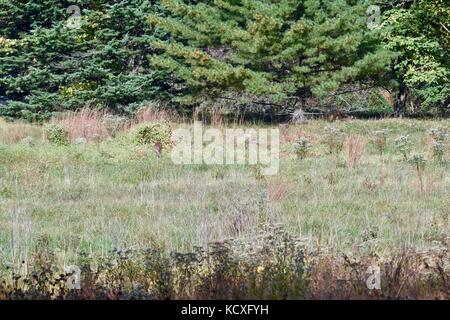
[271, 265]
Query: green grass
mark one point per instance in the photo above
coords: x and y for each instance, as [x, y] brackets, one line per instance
[97, 197]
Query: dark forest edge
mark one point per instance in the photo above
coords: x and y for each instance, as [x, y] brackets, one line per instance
[323, 57]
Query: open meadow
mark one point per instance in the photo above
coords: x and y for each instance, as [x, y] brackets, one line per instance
[225, 150]
[350, 189]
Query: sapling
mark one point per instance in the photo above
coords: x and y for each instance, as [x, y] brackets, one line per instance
[301, 148]
[418, 161]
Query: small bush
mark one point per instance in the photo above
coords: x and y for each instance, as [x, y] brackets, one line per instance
[418, 161]
[404, 145]
[56, 134]
[301, 148]
[438, 149]
[439, 143]
[439, 134]
[156, 134]
[257, 172]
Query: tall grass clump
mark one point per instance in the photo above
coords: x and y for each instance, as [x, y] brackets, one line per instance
[379, 139]
[85, 123]
[355, 148]
[16, 132]
[334, 139]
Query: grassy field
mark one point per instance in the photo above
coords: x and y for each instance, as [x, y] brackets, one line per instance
[112, 194]
[140, 226]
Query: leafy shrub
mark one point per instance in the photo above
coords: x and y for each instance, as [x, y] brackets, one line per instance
[156, 134]
[404, 145]
[56, 134]
[438, 151]
[418, 160]
[438, 146]
[439, 134]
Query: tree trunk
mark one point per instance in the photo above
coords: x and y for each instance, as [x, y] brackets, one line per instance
[400, 100]
[445, 108]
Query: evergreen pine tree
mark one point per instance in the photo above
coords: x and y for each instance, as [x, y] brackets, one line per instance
[284, 50]
[47, 67]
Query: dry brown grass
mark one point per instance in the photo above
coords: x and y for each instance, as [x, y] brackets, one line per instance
[91, 124]
[355, 145]
[15, 132]
[288, 136]
[85, 123]
[425, 183]
[217, 118]
[151, 114]
[278, 189]
[410, 274]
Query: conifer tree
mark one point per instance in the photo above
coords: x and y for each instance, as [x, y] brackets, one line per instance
[282, 50]
[47, 67]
